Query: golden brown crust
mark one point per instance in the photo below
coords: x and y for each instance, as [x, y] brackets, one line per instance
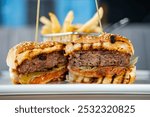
[24, 46]
[126, 77]
[28, 50]
[51, 76]
[104, 41]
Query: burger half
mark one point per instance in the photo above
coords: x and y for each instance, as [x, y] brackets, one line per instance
[36, 63]
[103, 60]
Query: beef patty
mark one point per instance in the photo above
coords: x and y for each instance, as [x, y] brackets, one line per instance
[42, 62]
[96, 58]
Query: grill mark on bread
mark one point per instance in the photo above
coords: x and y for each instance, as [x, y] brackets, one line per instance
[105, 41]
[106, 79]
[113, 77]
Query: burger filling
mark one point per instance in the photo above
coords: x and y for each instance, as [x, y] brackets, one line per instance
[42, 63]
[98, 58]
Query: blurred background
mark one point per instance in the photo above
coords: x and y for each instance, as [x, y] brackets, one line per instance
[17, 21]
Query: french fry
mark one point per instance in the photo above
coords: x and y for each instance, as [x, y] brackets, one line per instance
[75, 27]
[56, 27]
[53, 25]
[97, 29]
[91, 29]
[92, 21]
[45, 30]
[45, 21]
[68, 21]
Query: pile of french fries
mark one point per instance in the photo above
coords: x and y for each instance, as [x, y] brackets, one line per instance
[52, 25]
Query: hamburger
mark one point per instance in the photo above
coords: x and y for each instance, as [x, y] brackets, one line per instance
[105, 59]
[37, 63]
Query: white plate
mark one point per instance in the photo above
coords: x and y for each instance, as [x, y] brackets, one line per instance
[142, 86]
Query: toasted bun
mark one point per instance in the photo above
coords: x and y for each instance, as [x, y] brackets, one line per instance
[98, 72]
[29, 50]
[38, 77]
[105, 41]
[123, 76]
